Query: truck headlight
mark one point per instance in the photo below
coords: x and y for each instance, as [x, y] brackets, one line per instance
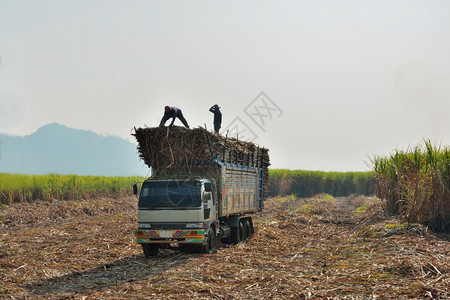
[144, 225]
[194, 225]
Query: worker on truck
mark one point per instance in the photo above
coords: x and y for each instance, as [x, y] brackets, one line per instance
[215, 109]
[173, 112]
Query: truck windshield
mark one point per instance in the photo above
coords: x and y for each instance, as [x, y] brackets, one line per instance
[173, 194]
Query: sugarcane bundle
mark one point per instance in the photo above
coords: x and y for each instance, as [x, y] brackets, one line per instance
[180, 148]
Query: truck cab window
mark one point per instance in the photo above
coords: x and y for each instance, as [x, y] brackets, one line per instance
[164, 194]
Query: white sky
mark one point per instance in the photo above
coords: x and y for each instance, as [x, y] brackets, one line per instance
[352, 79]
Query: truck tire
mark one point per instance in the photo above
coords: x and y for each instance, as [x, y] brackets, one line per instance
[242, 231]
[210, 246]
[235, 235]
[248, 228]
[150, 250]
[238, 233]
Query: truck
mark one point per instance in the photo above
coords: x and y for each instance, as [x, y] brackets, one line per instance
[197, 204]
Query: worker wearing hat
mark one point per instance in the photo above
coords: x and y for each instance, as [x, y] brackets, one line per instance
[173, 112]
[215, 109]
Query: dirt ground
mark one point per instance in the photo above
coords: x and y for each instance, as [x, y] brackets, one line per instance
[315, 248]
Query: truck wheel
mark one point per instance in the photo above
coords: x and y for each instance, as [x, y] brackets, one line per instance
[248, 229]
[150, 250]
[238, 233]
[210, 246]
[242, 235]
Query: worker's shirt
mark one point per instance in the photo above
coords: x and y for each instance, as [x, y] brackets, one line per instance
[175, 112]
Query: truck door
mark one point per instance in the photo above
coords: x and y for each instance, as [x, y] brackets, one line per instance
[209, 204]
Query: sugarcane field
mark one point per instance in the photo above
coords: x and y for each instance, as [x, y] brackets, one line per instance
[214, 222]
[303, 248]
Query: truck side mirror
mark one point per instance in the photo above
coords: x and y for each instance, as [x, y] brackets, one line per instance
[135, 189]
[208, 187]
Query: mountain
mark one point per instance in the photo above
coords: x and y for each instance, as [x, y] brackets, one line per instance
[55, 148]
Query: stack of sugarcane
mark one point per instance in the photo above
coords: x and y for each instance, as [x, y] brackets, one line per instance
[179, 148]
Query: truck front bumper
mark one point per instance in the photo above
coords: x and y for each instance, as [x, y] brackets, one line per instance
[152, 236]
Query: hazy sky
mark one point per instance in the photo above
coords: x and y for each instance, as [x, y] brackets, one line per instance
[341, 80]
